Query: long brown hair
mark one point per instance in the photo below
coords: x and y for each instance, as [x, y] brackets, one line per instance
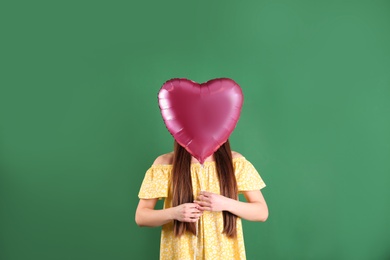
[181, 186]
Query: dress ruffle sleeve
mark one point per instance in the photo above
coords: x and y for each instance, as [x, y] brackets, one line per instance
[155, 183]
[247, 176]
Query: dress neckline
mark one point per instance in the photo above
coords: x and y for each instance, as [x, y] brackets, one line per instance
[198, 163]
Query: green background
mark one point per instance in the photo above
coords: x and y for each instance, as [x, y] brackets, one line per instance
[80, 124]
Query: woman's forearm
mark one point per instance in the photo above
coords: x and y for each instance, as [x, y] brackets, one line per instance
[252, 211]
[146, 217]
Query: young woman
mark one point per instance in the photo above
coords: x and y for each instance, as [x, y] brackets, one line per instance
[201, 218]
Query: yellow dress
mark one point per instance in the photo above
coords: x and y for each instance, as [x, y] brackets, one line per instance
[210, 243]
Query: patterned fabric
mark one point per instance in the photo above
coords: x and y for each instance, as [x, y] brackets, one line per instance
[210, 243]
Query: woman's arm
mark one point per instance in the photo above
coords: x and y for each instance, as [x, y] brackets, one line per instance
[255, 209]
[147, 216]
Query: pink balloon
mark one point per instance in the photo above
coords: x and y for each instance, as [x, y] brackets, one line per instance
[200, 117]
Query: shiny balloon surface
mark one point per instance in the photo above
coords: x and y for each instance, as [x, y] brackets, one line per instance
[200, 117]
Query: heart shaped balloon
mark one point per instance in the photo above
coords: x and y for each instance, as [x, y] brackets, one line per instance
[200, 117]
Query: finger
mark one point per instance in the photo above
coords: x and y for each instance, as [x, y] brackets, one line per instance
[192, 206]
[202, 203]
[203, 198]
[206, 193]
[206, 208]
[199, 209]
[197, 203]
[195, 210]
[193, 218]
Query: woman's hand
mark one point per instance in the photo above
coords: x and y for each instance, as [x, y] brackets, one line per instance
[212, 202]
[187, 212]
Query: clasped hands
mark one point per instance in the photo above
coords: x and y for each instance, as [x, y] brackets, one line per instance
[206, 201]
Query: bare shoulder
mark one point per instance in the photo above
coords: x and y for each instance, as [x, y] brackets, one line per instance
[236, 155]
[164, 159]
